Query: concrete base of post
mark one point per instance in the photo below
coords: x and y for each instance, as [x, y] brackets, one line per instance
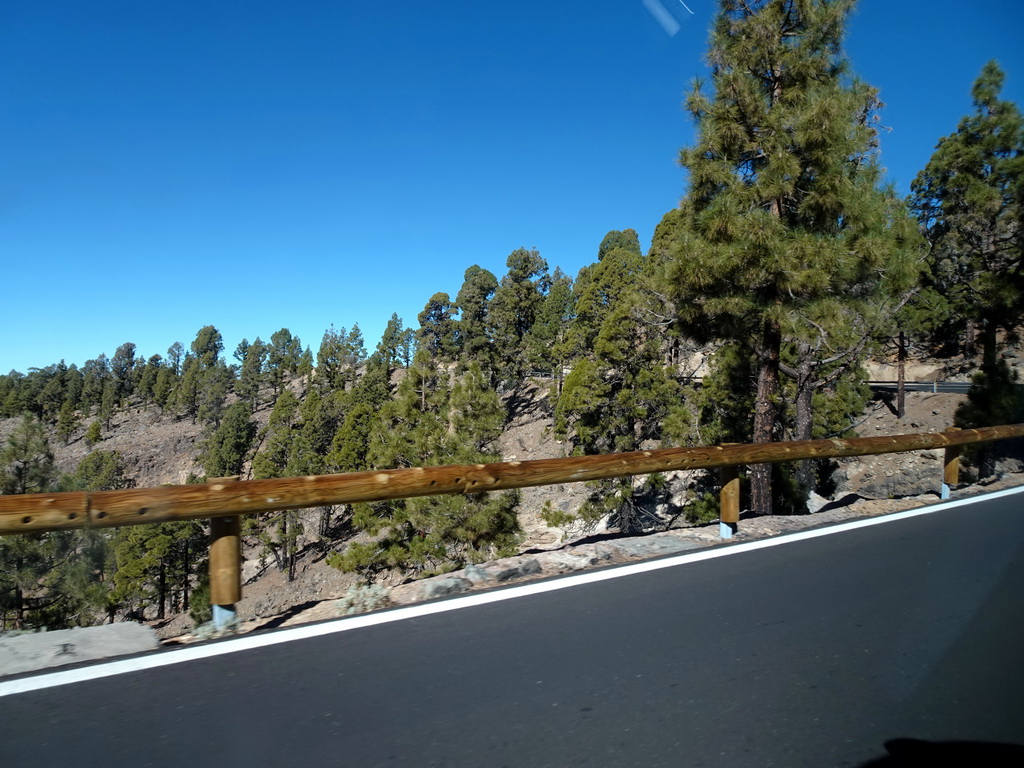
[224, 617]
[727, 530]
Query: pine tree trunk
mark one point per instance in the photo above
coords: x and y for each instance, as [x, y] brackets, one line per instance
[19, 607]
[804, 420]
[988, 348]
[901, 373]
[186, 574]
[986, 453]
[764, 415]
[161, 590]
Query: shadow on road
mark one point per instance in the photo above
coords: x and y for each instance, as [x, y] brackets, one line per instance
[915, 753]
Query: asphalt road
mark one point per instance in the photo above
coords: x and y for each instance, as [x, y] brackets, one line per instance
[811, 653]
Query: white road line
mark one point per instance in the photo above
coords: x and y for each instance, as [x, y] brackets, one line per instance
[248, 642]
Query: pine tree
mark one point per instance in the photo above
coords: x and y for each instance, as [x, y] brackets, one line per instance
[785, 236]
[213, 392]
[250, 378]
[970, 202]
[148, 379]
[67, 421]
[277, 531]
[94, 433]
[546, 342]
[224, 452]
[437, 331]
[330, 359]
[517, 300]
[122, 366]
[429, 422]
[207, 346]
[94, 374]
[390, 345]
[164, 387]
[473, 303]
[601, 285]
[185, 397]
[26, 461]
[26, 466]
[175, 356]
[284, 354]
[616, 399]
[157, 565]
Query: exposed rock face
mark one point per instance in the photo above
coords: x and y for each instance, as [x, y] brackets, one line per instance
[512, 569]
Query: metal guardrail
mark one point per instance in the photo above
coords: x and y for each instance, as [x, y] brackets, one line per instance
[223, 500]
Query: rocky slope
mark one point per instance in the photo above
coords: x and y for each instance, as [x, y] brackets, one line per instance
[161, 449]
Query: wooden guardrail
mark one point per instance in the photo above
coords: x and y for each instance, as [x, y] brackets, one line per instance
[227, 498]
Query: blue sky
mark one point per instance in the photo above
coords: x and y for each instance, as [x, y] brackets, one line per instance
[257, 165]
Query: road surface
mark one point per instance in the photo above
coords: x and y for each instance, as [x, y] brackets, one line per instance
[809, 652]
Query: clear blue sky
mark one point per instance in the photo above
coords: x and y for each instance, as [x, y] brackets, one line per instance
[257, 165]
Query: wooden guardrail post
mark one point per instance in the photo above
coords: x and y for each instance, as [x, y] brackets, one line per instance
[729, 501]
[225, 569]
[950, 467]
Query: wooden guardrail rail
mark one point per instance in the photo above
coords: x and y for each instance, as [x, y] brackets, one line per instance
[227, 498]
[222, 498]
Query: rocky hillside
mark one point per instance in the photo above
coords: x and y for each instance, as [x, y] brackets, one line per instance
[161, 449]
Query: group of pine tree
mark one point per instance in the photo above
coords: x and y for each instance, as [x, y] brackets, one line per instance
[786, 264]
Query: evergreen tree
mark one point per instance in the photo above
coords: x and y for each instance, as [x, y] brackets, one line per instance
[175, 357]
[122, 366]
[26, 461]
[148, 379]
[272, 460]
[437, 333]
[52, 396]
[213, 391]
[224, 452]
[67, 422]
[390, 345]
[514, 308]
[26, 466]
[970, 202]
[284, 354]
[785, 236]
[108, 402]
[94, 374]
[330, 359]
[99, 471]
[600, 286]
[305, 367]
[73, 386]
[156, 565]
[278, 532]
[360, 424]
[546, 342]
[473, 303]
[615, 400]
[188, 389]
[418, 428]
[207, 346]
[164, 386]
[250, 378]
[241, 351]
[355, 354]
[94, 433]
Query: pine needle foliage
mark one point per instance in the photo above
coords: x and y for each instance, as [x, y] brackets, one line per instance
[786, 236]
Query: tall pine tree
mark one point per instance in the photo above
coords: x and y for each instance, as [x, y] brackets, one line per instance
[785, 237]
